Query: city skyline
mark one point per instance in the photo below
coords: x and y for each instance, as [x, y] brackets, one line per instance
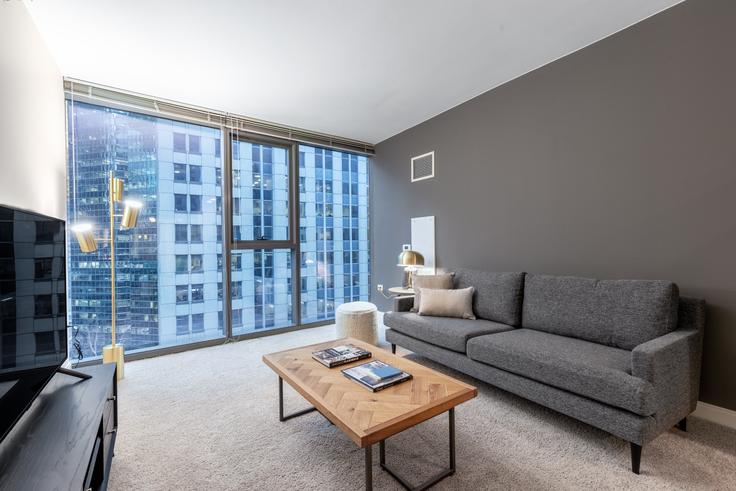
[170, 267]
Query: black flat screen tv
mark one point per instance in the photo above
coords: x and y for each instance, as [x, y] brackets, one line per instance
[33, 328]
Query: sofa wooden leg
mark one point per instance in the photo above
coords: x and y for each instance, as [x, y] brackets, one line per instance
[635, 458]
[682, 425]
[393, 348]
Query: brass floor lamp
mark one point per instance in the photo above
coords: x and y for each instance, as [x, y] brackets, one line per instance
[114, 352]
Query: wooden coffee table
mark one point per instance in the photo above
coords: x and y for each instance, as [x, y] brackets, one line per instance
[371, 417]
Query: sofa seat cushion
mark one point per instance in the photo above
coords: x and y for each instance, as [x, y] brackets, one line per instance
[452, 334]
[592, 370]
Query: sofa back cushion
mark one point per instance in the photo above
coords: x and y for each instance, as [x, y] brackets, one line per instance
[442, 281]
[497, 295]
[619, 313]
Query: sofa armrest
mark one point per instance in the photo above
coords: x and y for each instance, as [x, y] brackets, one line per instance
[671, 363]
[403, 303]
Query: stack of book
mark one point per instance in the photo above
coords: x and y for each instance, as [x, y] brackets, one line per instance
[340, 355]
[376, 375]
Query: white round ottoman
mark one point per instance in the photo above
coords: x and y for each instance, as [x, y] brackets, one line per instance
[357, 320]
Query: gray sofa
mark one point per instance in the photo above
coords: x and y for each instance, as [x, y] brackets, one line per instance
[621, 355]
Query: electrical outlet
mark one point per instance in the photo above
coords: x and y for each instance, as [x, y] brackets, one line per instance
[379, 288]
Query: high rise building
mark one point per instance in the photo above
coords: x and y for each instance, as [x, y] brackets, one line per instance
[333, 231]
[170, 267]
[101, 140]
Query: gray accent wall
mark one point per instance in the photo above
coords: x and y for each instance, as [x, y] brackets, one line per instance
[617, 161]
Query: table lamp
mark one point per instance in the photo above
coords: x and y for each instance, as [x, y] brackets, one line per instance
[410, 261]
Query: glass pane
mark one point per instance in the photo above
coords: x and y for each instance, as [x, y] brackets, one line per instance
[180, 172]
[260, 192]
[196, 236]
[167, 276]
[195, 174]
[261, 290]
[180, 232]
[333, 231]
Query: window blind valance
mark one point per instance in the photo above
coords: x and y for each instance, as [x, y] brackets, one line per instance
[92, 93]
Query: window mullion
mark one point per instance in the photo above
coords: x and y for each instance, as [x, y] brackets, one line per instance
[294, 226]
[227, 230]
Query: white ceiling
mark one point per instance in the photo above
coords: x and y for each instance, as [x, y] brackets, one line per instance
[363, 69]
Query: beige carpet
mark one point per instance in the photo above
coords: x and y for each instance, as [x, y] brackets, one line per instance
[208, 419]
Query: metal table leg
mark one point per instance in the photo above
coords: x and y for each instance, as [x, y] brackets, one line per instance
[369, 468]
[382, 450]
[281, 405]
[433, 480]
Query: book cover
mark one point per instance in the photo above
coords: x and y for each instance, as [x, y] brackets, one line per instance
[340, 355]
[376, 375]
[386, 372]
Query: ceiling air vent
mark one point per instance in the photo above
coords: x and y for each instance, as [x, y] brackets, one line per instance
[422, 167]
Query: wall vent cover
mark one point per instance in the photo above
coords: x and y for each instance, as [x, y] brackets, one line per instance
[422, 167]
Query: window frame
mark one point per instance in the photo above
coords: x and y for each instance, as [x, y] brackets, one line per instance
[198, 237]
[180, 169]
[197, 168]
[292, 152]
[186, 203]
[177, 258]
[196, 327]
[177, 228]
[191, 139]
[174, 143]
[179, 331]
[200, 268]
[180, 288]
[192, 198]
[291, 243]
[228, 245]
[198, 287]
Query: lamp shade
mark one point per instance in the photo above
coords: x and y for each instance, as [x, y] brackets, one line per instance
[130, 214]
[85, 237]
[410, 258]
[117, 186]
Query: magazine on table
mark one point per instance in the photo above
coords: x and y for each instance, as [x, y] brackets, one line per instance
[340, 355]
[376, 375]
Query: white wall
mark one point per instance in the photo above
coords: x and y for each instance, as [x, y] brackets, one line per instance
[32, 127]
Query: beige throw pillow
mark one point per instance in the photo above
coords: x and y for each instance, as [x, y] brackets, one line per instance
[434, 281]
[448, 303]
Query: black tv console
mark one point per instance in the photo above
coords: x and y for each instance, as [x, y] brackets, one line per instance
[66, 438]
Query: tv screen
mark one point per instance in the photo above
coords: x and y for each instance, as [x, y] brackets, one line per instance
[33, 332]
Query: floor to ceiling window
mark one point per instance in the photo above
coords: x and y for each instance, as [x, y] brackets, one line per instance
[263, 249]
[167, 274]
[299, 231]
[333, 230]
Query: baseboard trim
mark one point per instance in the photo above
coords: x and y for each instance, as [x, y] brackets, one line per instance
[716, 414]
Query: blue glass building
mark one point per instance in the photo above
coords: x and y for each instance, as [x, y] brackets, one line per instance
[170, 267]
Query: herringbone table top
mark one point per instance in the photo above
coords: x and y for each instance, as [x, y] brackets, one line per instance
[369, 417]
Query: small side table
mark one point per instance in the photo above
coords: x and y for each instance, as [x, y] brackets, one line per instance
[400, 291]
[400, 296]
